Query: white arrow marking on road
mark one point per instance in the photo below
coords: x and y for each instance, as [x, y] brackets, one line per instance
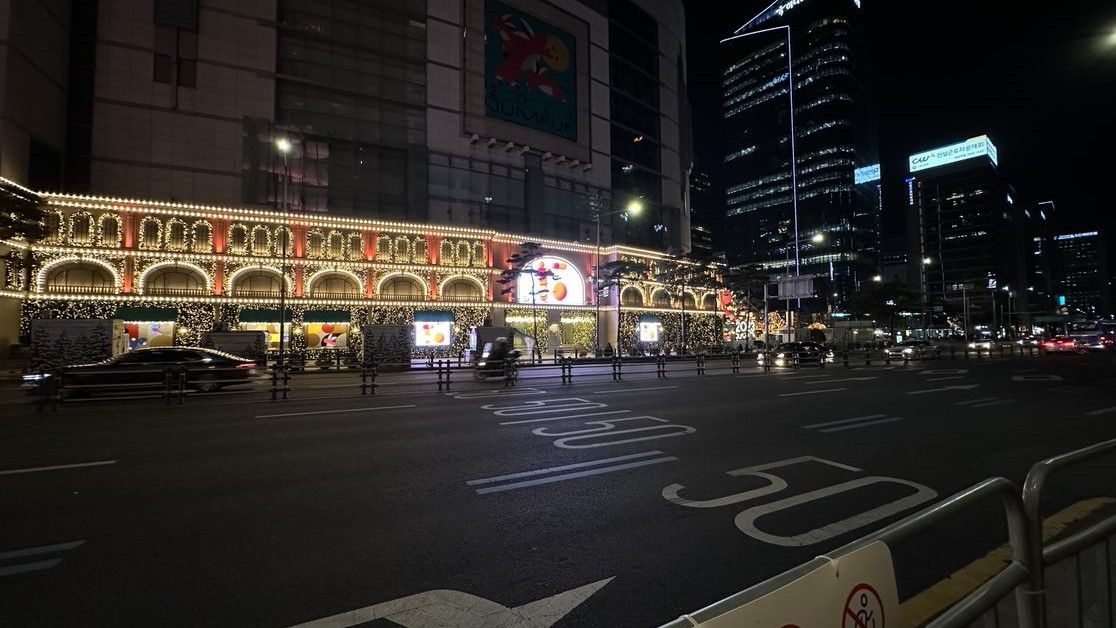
[449, 609]
[846, 379]
[943, 389]
[1036, 378]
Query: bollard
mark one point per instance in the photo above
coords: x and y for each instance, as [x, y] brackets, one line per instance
[794, 361]
[845, 359]
[736, 363]
[368, 379]
[867, 357]
[701, 364]
[449, 375]
[168, 380]
[182, 376]
[441, 380]
[767, 357]
[660, 367]
[567, 371]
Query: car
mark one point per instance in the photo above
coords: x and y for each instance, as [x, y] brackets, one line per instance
[822, 350]
[914, 350]
[982, 344]
[785, 354]
[1095, 342]
[1063, 344]
[207, 370]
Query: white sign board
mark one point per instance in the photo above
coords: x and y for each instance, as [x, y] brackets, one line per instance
[562, 285]
[867, 174]
[977, 147]
[856, 591]
[796, 288]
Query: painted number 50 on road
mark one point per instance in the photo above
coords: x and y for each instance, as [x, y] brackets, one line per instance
[746, 520]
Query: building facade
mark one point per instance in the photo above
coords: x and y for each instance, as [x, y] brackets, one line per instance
[173, 271]
[1083, 285]
[797, 92]
[969, 233]
[523, 116]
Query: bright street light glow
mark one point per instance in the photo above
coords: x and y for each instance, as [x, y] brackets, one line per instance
[1112, 38]
[927, 260]
[877, 278]
[634, 206]
[283, 145]
[818, 238]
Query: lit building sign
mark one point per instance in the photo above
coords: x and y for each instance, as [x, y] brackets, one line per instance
[1074, 236]
[977, 147]
[650, 329]
[563, 285]
[867, 174]
[433, 329]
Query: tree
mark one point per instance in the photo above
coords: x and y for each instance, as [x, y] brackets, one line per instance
[678, 273]
[880, 301]
[613, 274]
[22, 215]
[746, 284]
[520, 263]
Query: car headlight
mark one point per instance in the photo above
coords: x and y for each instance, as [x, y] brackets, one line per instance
[35, 377]
[780, 355]
[908, 350]
[972, 345]
[481, 363]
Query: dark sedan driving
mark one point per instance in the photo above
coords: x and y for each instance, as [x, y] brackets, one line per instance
[207, 370]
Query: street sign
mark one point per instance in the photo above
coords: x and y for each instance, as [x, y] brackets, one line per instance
[796, 288]
[855, 591]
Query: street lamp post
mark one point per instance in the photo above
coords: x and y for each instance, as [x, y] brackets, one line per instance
[283, 145]
[633, 208]
[817, 238]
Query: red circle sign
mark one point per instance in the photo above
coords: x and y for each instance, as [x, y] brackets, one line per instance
[863, 608]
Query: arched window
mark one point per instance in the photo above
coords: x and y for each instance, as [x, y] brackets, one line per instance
[238, 240]
[257, 283]
[709, 302]
[54, 226]
[402, 253]
[82, 278]
[336, 245]
[631, 297]
[336, 286]
[315, 244]
[175, 281]
[109, 231]
[463, 253]
[81, 229]
[689, 299]
[356, 246]
[660, 298]
[201, 237]
[418, 251]
[402, 288]
[261, 240]
[445, 253]
[461, 289]
[176, 235]
[480, 259]
[383, 248]
[151, 234]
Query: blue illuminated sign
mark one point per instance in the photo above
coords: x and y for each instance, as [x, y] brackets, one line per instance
[1061, 300]
[867, 174]
[1074, 236]
[977, 147]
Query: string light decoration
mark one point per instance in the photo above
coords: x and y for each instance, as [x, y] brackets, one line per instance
[238, 239]
[109, 233]
[703, 331]
[150, 233]
[153, 267]
[201, 236]
[261, 241]
[176, 236]
[46, 263]
[80, 230]
[279, 234]
[356, 246]
[315, 244]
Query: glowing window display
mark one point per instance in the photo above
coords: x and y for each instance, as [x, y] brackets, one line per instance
[565, 287]
[433, 329]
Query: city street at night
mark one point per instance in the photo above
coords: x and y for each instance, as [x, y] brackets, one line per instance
[597, 503]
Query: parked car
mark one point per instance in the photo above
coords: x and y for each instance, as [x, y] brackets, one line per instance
[914, 350]
[207, 370]
[1064, 344]
[785, 353]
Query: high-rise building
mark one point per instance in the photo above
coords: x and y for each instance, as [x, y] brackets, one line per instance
[702, 215]
[1083, 287]
[815, 218]
[1040, 257]
[969, 233]
[522, 115]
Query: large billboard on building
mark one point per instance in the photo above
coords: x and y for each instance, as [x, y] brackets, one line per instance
[530, 71]
[553, 281]
[977, 147]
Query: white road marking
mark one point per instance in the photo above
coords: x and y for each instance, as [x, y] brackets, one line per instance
[808, 377]
[944, 372]
[845, 379]
[875, 368]
[843, 421]
[812, 392]
[575, 475]
[565, 467]
[1101, 411]
[450, 609]
[57, 467]
[42, 549]
[943, 389]
[1036, 378]
[628, 390]
[1025, 371]
[512, 392]
[315, 412]
[765, 374]
[855, 426]
[562, 418]
[942, 379]
[991, 403]
[28, 567]
[981, 400]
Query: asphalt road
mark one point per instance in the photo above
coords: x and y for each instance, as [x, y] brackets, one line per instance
[594, 504]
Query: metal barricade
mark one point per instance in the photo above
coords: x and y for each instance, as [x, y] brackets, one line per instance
[700, 360]
[280, 380]
[368, 378]
[567, 370]
[660, 367]
[736, 363]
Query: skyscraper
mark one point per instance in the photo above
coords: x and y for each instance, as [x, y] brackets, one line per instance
[1083, 283]
[965, 224]
[813, 218]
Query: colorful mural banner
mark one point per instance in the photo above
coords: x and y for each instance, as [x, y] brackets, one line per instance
[530, 71]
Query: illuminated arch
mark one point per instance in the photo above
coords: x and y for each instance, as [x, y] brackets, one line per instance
[640, 291]
[44, 272]
[146, 274]
[322, 274]
[267, 269]
[395, 275]
[473, 280]
[654, 297]
[716, 300]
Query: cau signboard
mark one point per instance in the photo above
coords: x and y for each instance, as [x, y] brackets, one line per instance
[980, 146]
[530, 71]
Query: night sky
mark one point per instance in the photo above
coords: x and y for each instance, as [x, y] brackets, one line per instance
[1040, 81]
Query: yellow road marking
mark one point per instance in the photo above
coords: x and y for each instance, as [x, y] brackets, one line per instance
[923, 607]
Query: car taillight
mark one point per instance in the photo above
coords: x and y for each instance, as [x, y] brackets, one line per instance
[246, 365]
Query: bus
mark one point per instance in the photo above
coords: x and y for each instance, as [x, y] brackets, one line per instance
[1098, 335]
